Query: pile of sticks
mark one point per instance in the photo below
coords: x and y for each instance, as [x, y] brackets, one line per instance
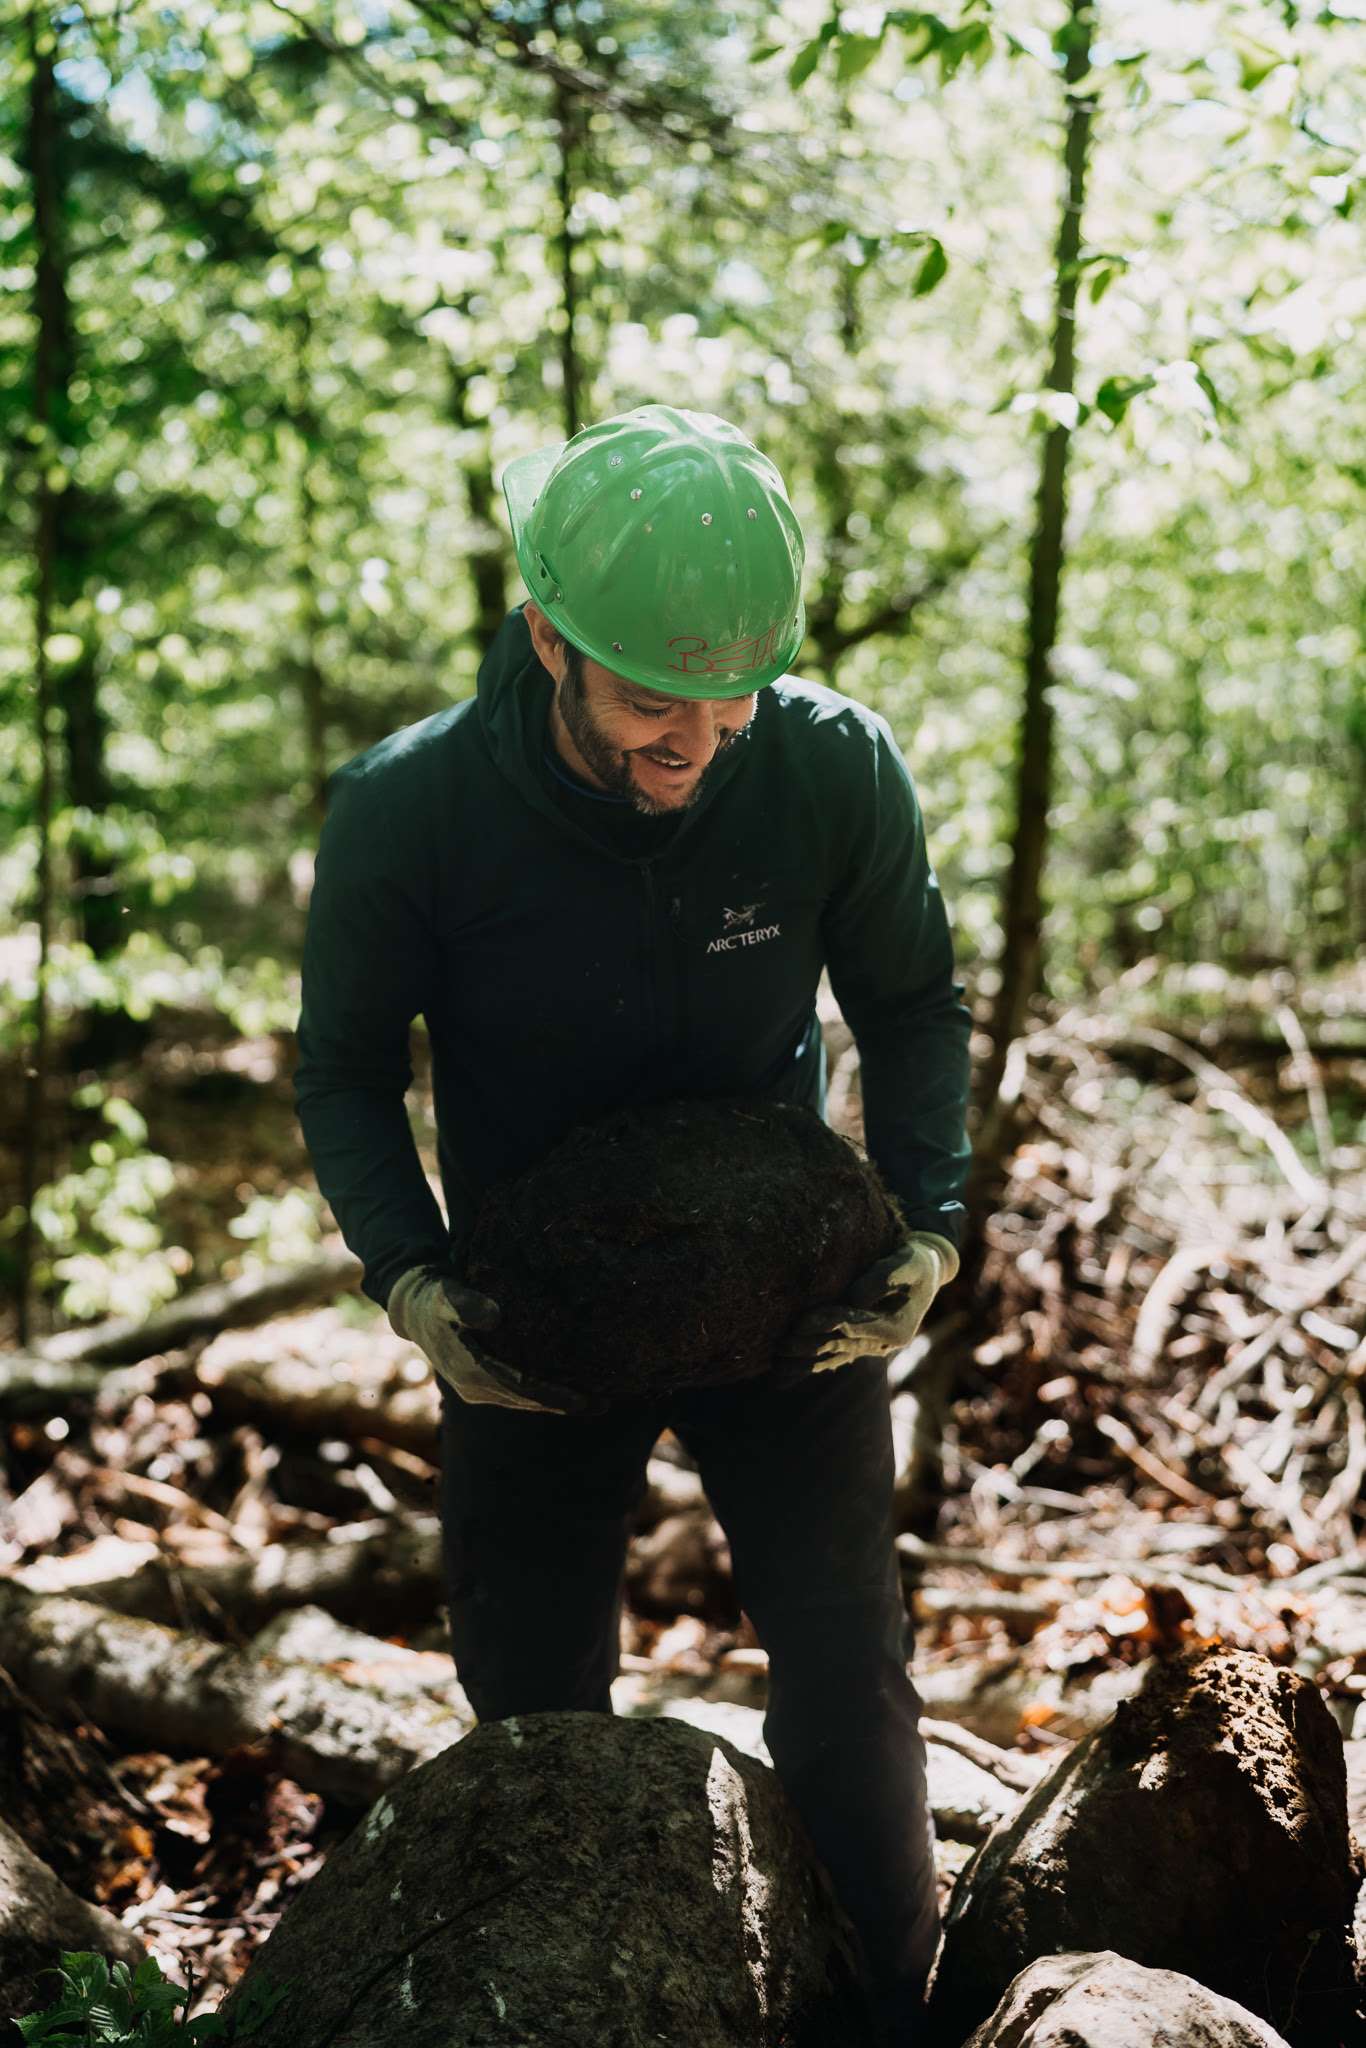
[1172, 1284]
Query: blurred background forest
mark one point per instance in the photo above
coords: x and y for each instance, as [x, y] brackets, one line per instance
[1050, 315]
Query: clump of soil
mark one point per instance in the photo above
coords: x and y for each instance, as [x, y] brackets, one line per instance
[671, 1246]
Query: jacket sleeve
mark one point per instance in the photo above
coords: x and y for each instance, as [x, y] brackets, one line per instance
[890, 957]
[367, 951]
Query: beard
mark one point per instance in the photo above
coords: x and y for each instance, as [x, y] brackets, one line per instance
[612, 764]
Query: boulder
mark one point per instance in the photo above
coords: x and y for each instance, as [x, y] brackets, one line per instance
[670, 1246]
[1202, 1830]
[571, 1878]
[1106, 2001]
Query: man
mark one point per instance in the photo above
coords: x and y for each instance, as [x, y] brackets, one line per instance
[615, 876]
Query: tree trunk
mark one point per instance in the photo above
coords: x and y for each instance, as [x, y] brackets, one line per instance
[566, 117]
[312, 681]
[1021, 965]
[41, 145]
[487, 559]
[67, 535]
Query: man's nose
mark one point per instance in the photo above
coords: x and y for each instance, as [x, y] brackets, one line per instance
[694, 728]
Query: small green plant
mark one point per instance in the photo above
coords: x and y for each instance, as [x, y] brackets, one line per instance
[100, 2007]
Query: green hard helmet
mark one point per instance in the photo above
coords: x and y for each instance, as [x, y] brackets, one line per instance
[662, 544]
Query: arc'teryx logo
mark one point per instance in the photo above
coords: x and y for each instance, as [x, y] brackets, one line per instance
[739, 929]
[733, 920]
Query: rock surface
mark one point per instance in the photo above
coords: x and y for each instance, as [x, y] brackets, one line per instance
[1202, 1830]
[671, 1245]
[1105, 2001]
[575, 1879]
[39, 1917]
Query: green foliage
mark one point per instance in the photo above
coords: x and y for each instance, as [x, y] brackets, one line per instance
[99, 2006]
[101, 1220]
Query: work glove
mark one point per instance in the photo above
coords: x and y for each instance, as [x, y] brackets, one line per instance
[431, 1309]
[885, 1308]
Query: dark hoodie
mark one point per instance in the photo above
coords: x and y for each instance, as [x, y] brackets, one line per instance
[566, 966]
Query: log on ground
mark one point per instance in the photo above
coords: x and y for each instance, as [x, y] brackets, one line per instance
[183, 1693]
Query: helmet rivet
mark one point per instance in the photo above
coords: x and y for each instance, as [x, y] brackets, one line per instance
[635, 494]
[558, 595]
[648, 527]
[614, 462]
[616, 647]
[751, 514]
[706, 519]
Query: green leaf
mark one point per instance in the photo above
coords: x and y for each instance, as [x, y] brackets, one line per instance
[856, 53]
[55, 2023]
[87, 1974]
[805, 61]
[931, 270]
[1116, 393]
[764, 52]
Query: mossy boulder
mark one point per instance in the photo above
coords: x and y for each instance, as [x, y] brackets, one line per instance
[671, 1246]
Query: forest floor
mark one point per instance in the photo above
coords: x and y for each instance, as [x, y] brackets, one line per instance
[1156, 1435]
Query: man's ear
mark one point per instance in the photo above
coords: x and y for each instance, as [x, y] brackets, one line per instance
[548, 643]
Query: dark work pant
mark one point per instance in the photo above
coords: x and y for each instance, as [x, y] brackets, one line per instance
[536, 1510]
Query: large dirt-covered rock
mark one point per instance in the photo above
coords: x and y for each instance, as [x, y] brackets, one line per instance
[1106, 2001]
[1203, 1830]
[670, 1246]
[567, 1881]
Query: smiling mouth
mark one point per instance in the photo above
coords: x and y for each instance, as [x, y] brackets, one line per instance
[664, 761]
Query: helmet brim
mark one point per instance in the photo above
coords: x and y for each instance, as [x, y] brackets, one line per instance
[523, 480]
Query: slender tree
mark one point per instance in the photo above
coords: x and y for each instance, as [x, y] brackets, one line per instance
[313, 693]
[566, 170]
[47, 301]
[1021, 962]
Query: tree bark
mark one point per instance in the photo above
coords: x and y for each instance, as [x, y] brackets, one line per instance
[312, 681]
[486, 559]
[566, 118]
[66, 535]
[41, 146]
[183, 1692]
[384, 1574]
[1021, 965]
[380, 1574]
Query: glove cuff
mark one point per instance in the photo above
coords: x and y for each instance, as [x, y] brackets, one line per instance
[944, 1250]
[402, 1296]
